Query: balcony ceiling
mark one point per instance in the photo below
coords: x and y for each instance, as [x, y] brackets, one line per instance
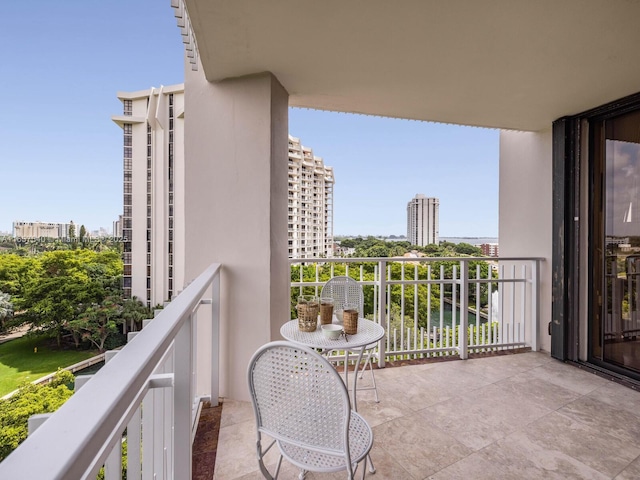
[516, 64]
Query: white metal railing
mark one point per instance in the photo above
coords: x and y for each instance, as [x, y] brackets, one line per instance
[411, 297]
[151, 389]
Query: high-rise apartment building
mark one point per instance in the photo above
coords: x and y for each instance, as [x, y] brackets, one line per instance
[42, 229]
[422, 220]
[152, 221]
[310, 203]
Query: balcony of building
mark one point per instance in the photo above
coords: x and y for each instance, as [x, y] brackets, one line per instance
[515, 65]
[461, 396]
[511, 416]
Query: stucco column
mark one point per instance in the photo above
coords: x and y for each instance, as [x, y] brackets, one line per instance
[525, 220]
[236, 171]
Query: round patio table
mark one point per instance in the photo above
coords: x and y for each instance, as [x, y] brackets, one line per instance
[368, 332]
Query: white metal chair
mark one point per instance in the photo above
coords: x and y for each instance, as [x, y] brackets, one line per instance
[301, 402]
[345, 290]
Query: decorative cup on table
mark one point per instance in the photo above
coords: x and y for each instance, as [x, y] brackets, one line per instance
[350, 318]
[326, 310]
[308, 308]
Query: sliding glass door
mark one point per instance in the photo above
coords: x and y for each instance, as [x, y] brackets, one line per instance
[614, 330]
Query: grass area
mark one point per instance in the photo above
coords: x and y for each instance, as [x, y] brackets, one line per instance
[20, 362]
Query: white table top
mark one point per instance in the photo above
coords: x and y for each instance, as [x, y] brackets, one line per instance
[368, 332]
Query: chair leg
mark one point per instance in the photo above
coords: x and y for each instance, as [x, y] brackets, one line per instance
[372, 468]
[369, 363]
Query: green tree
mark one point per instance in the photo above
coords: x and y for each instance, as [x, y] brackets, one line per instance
[134, 312]
[379, 250]
[15, 272]
[467, 249]
[6, 309]
[83, 233]
[30, 400]
[98, 322]
[348, 243]
[68, 282]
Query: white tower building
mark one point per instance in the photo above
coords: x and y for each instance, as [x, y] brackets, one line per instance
[310, 203]
[422, 220]
[153, 201]
[152, 222]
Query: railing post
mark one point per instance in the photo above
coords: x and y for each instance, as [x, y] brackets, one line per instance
[113, 464]
[182, 401]
[535, 304]
[215, 341]
[382, 302]
[463, 328]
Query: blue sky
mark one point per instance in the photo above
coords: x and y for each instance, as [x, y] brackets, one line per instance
[61, 155]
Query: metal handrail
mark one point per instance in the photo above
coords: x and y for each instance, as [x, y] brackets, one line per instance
[75, 441]
[522, 288]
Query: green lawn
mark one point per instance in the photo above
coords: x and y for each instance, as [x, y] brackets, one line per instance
[19, 362]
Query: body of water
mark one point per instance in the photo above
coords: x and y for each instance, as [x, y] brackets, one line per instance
[470, 240]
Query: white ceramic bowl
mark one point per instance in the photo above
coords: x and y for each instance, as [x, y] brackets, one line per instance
[331, 331]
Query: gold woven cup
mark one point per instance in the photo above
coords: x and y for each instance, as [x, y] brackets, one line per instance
[308, 309]
[350, 319]
[326, 310]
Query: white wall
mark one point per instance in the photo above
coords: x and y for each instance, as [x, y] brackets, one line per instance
[236, 137]
[525, 210]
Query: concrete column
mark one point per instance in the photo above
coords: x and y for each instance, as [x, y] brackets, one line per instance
[236, 171]
[525, 219]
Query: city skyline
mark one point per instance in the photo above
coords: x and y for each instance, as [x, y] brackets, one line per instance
[67, 165]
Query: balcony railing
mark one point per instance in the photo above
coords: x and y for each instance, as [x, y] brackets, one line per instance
[437, 306]
[148, 394]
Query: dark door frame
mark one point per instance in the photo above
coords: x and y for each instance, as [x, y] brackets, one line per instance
[568, 157]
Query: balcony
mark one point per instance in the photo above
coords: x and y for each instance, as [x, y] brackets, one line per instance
[513, 416]
[507, 411]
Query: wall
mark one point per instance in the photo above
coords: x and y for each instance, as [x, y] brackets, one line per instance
[235, 174]
[525, 208]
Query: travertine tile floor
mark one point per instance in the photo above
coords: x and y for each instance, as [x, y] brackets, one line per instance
[520, 416]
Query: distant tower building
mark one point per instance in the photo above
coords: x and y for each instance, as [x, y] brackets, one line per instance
[422, 220]
[310, 203]
[41, 229]
[152, 222]
[117, 227]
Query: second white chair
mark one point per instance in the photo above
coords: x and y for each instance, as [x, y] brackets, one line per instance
[345, 290]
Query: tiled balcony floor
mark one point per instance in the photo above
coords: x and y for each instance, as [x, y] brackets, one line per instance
[515, 416]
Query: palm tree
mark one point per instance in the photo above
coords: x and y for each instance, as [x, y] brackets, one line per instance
[134, 312]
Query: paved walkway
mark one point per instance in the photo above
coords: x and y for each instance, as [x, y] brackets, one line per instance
[17, 333]
[521, 416]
